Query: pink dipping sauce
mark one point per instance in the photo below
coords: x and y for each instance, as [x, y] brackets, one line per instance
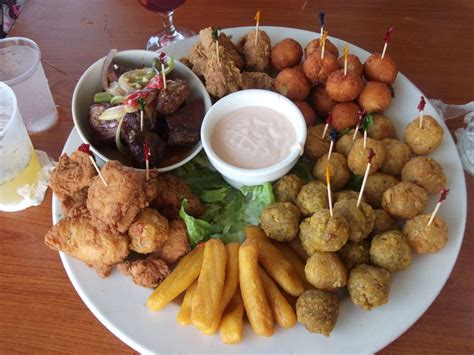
[253, 137]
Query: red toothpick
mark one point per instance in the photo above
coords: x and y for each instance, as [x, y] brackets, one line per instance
[85, 149]
[328, 124]
[162, 61]
[370, 156]
[443, 194]
[361, 114]
[421, 108]
[387, 38]
[147, 160]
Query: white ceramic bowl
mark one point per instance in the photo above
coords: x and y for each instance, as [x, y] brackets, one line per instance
[90, 83]
[236, 176]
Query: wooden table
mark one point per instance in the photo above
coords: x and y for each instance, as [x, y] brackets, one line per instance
[432, 43]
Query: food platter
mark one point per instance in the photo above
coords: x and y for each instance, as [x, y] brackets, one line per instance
[120, 305]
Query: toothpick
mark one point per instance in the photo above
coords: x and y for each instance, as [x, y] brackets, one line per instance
[328, 124]
[147, 160]
[365, 138]
[333, 136]
[257, 18]
[141, 120]
[328, 184]
[321, 21]
[346, 51]
[443, 194]
[323, 43]
[421, 108]
[163, 74]
[361, 114]
[370, 155]
[98, 170]
[387, 39]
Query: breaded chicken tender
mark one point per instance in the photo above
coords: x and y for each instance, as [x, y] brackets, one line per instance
[76, 204]
[177, 243]
[257, 54]
[172, 192]
[126, 194]
[148, 232]
[257, 80]
[73, 173]
[146, 273]
[97, 247]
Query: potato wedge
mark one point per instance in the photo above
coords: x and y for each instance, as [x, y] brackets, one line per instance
[283, 313]
[293, 258]
[207, 296]
[230, 284]
[184, 314]
[256, 305]
[232, 323]
[180, 279]
[273, 261]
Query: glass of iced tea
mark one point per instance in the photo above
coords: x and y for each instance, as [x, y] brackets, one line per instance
[170, 33]
[21, 69]
[19, 165]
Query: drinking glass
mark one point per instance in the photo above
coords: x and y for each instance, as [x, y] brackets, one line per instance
[19, 164]
[21, 69]
[170, 33]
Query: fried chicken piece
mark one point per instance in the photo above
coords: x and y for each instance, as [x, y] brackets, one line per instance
[177, 244]
[76, 204]
[257, 80]
[148, 232]
[171, 193]
[97, 247]
[231, 50]
[149, 272]
[126, 194]
[73, 173]
[257, 54]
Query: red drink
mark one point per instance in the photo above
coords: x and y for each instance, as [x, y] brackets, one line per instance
[161, 5]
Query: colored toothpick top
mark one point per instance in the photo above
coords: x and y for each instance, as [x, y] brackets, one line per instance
[323, 43]
[321, 21]
[257, 24]
[85, 149]
[147, 159]
[346, 52]
[333, 135]
[442, 197]
[387, 38]
[328, 184]
[328, 124]
[421, 108]
[370, 156]
[361, 114]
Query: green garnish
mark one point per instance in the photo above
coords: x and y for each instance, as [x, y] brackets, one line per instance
[117, 100]
[368, 122]
[343, 132]
[102, 97]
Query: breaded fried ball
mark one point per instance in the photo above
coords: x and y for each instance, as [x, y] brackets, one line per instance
[405, 200]
[312, 197]
[397, 155]
[353, 64]
[375, 97]
[357, 159]
[307, 111]
[314, 47]
[321, 101]
[369, 286]
[425, 172]
[384, 222]
[337, 165]
[375, 187]
[325, 271]
[361, 219]
[391, 251]
[292, 84]
[343, 88]
[286, 54]
[378, 69]
[321, 232]
[424, 140]
[148, 232]
[315, 146]
[318, 311]
[353, 254]
[287, 188]
[425, 239]
[280, 221]
[317, 69]
[344, 143]
[381, 128]
[344, 115]
[346, 195]
[256, 53]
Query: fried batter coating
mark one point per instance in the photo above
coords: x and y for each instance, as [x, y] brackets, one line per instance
[316, 146]
[287, 188]
[343, 88]
[426, 139]
[337, 166]
[231, 50]
[148, 232]
[376, 185]
[361, 219]
[314, 47]
[369, 286]
[345, 143]
[424, 238]
[146, 273]
[257, 80]
[286, 54]
[172, 192]
[321, 101]
[317, 69]
[344, 115]
[307, 111]
[79, 237]
[353, 254]
[280, 221]
[353, 64]
[177, 243]
[357, 159]
[325, 271]
[397, 155]
[391, 251]
[375, 97]
[384, 222]
[312, 197]
[257, 55]
[76, 204]
[425, 172]
[126, 194]
[73, 173]
[292, 84]
[318, 311]
[381, 128]
[378, 69]
[405, 200]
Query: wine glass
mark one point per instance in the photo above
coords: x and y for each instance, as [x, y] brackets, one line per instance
[170, 33]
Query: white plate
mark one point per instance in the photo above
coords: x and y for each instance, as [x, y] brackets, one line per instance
[120, 305]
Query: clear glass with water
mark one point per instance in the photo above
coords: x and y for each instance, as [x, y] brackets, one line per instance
[21, 69]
